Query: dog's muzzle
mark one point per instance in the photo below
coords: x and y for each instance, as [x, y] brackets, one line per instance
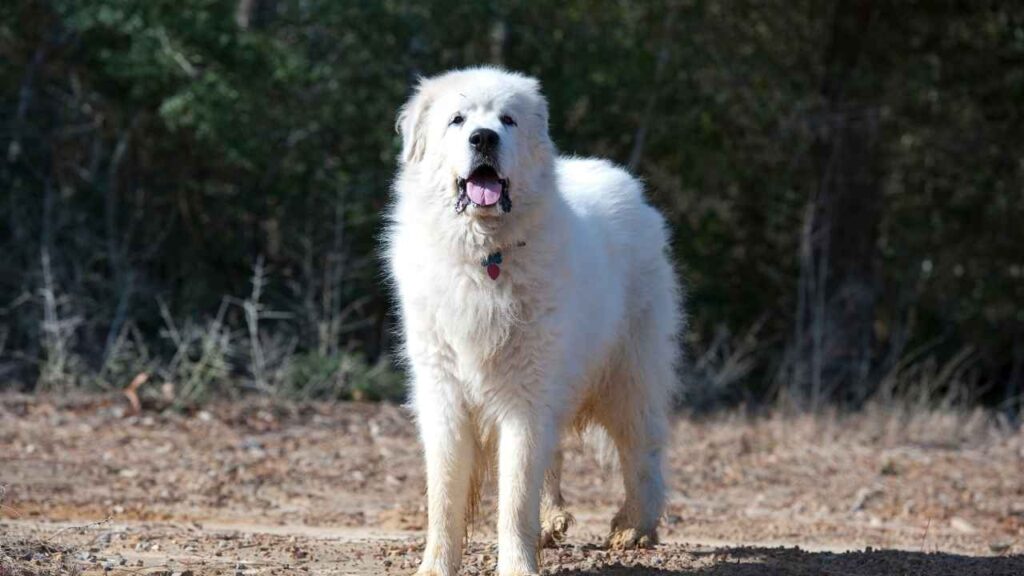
[484, 187]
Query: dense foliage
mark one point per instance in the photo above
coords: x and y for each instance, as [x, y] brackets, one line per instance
[193, 188]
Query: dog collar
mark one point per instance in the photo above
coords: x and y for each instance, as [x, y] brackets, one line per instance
[492, 263]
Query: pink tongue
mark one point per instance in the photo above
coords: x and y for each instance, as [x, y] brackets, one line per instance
[483, 190]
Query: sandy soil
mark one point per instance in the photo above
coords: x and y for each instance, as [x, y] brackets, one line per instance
[261, 488]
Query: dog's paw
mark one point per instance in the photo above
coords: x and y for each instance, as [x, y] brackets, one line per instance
[554, 525]
[632, 538]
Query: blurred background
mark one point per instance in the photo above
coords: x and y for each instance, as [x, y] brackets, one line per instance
[191, 192]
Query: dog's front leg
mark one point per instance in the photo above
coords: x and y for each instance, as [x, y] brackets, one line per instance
[525, 443]
[448, 447]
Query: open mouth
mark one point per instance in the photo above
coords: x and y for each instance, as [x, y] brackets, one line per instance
[483, 187]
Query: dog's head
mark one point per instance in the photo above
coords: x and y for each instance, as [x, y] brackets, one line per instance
[484, 133]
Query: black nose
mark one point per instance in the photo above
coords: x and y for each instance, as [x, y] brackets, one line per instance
[484, 140]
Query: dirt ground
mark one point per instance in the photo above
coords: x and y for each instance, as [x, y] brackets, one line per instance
[261, 488]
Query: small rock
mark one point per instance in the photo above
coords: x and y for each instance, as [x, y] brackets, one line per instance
[1000, 547]
[864, 495]
[962, 526]
[889, 468]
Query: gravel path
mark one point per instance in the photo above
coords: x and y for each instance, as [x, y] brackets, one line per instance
[262, 488]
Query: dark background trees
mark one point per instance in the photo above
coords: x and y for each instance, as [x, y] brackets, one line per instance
[193, 189]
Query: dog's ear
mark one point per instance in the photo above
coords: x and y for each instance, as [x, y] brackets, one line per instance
[411, 125]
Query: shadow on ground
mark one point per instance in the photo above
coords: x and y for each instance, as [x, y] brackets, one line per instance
[754, 561]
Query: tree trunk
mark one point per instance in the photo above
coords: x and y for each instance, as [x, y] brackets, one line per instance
[838, 269]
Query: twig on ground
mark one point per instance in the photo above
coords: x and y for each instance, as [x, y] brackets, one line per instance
[131, 391]
[106, 520]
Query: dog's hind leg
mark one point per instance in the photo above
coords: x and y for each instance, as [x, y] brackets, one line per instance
[640, 439]
[641, 447]
[636, 416]
[555, 520]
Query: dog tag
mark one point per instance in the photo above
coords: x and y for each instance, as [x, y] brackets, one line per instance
[493, 270]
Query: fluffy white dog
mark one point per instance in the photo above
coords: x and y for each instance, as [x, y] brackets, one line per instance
[537, 295]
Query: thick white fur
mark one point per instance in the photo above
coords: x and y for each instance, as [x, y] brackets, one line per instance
[580, 327]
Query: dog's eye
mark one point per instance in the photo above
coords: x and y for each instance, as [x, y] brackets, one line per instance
[507, 120]
[457, 120]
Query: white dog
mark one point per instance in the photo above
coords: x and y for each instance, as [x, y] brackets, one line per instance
[537, 295]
